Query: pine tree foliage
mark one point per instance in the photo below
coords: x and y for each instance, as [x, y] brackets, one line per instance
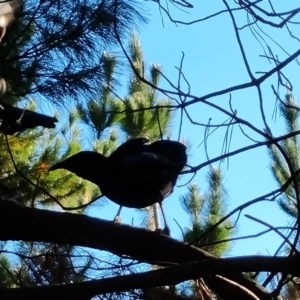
[279, 167]
[6, 268]
[103, 113]
[53, 48]
[206, 209]
[141, 113]
[40, 264]
[292, 290]
[145, 114]
[289, 109]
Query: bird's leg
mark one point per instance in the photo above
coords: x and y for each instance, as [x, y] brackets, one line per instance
[117, 218]
[18, 121]
[156, 215]
[166, 230]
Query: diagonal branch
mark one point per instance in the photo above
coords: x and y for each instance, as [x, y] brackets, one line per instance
[80, 230]
[167, 276]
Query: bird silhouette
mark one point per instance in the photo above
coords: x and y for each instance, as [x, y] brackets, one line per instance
[14, 119]
[135, 175]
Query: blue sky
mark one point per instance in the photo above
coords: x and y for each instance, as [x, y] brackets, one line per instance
[213, 62]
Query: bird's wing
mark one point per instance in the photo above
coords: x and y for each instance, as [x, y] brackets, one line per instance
[150, 175]
[129, 148]
[145, 168]
[89, 165]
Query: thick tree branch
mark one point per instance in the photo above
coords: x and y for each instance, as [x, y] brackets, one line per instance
[166, 276]
[80, 230]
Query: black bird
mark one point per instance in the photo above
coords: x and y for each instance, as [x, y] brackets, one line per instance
[14, 119]
[135, 175]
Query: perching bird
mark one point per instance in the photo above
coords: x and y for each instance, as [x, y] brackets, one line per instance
[14, 119]
[135, 175]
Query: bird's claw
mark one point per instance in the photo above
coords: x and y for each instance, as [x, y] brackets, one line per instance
[165, 231]
[117, 220]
